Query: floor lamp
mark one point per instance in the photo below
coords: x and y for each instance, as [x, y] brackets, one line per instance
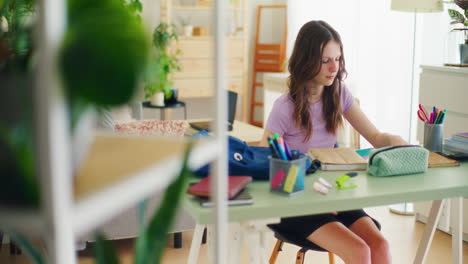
[413, 6]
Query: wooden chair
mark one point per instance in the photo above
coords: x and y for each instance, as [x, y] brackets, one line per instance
[304, 244]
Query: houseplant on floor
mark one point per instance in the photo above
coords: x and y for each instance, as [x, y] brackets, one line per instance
[163, 63]
[461, 21]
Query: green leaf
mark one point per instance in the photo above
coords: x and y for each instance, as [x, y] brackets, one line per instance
[104, 252]
[152, 239]
[456, 16]
[28, 248]
[109, 46]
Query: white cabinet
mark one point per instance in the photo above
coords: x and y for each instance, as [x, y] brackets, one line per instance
[444, 87]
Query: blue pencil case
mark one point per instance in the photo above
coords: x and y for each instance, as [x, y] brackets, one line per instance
[398, 160]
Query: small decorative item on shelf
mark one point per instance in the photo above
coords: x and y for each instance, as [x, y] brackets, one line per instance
[187, 27]
[201, 31]
[158, 76]
[204, 2]
[457, 41]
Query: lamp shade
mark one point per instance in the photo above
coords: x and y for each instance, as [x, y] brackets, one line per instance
[420, 6]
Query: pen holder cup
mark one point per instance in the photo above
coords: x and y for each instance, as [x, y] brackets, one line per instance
[287, 176]
[433, 136]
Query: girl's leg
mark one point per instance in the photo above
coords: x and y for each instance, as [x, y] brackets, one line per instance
[338, 239]
[365, 228]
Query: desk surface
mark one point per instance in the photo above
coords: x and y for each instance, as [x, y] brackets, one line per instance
[246, 132]
[436, 183]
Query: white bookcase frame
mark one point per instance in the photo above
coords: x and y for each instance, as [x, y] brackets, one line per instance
[66, 213]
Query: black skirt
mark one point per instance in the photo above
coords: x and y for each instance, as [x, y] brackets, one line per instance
[303, 226]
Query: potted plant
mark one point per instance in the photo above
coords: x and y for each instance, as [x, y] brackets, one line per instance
[461, 18]
[187, 27]
[163, 64]
[102, 57]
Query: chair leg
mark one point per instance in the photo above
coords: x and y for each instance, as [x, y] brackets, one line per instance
[178, 240]
[14, 249]
[301, 256]
[1, 240]
[276, 250]
[331, 258]
[204, 236]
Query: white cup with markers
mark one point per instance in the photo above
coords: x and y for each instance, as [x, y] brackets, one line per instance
[287, 176]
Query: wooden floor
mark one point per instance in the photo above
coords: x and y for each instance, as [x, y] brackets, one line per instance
[402, 233]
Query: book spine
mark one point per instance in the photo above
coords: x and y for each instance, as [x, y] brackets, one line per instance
[460, 139]
[456, 145]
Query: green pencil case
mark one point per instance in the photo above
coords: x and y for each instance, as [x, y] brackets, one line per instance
[398, 160]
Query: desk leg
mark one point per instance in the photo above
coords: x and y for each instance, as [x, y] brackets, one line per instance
[196, 242]
[256, 234]
[429, 230]
[457, 230]
[234, 243]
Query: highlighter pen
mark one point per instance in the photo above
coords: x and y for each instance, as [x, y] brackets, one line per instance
[279, 147]
[274, 151]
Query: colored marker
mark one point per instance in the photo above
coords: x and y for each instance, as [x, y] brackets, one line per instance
[281, 143]
[279, 147]
[274, 151]
[286, 149]
[442, 118]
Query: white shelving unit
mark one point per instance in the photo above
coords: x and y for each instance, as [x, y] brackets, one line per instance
[72, 205]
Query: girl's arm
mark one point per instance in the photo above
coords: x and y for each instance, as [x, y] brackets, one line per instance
[364, 126]
[264, 141]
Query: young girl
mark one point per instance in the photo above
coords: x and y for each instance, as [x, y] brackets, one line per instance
[308, 117]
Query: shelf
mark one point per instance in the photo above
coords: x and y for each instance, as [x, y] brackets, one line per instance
[118, 173]
[202, 8]
[121, 171]
[209, 37]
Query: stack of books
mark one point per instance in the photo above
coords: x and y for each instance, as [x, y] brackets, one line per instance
[458, 143]
[237, 192]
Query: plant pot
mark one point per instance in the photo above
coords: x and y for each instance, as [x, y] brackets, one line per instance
[463, 53]
[187, 30]
[157, 99]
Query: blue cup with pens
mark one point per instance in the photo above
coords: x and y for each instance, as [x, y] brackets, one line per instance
[287, 167]
[433, 127]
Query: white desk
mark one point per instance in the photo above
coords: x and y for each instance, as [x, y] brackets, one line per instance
[246, 132]
[371, 191]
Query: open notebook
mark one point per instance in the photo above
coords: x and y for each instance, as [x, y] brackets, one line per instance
[232, 104]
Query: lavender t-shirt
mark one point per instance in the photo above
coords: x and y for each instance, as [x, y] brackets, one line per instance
[281, 121]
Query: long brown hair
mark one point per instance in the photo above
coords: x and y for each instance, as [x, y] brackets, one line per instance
[305, 63]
